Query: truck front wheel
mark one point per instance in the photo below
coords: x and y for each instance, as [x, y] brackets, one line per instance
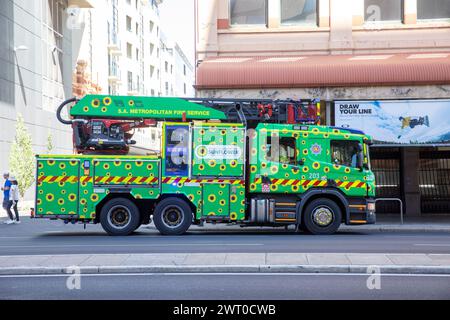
[120, 217]
[172, 216]
[322, 216]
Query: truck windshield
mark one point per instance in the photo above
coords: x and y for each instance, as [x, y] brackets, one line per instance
[345, 152]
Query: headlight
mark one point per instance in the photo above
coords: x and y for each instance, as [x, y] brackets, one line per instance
[371, 206]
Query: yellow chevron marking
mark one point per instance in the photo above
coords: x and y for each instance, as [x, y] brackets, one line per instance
[355, 184]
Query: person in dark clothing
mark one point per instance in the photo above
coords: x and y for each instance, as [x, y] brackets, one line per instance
[14, 199]
[6, 190]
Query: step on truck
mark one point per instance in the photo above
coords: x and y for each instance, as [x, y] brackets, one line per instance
[236, 162]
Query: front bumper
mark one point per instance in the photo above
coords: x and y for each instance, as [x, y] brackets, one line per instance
[362, 212]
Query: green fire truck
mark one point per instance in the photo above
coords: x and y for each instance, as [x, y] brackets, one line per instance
[237, 162]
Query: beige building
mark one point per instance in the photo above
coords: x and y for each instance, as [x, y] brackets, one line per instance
[295, 31]
[339, 50]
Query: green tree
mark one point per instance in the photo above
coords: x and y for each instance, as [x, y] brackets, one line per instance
[21, 157]
[49, 143]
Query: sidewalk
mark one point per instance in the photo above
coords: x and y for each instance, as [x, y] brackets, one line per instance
[226, 263]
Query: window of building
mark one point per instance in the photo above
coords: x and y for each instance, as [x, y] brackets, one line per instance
[152, 26]
[166, 67]
[298, 12]
[433, 9]
[137, 28]
[382, 10]
[345, 153]
[137, 54]
[167, 89]
[152, 71]
[129, 24]
[248, 12]
[152, 48]
[184, 69]
[281, 150]
[130, 81]
[184, 88]
[129, 51]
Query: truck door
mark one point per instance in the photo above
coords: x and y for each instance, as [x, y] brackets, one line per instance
[176, 151]
[345, 171]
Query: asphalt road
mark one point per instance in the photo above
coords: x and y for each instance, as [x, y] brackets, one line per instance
[226, 287]
[40, 237]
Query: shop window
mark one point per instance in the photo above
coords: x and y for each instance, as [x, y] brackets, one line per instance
[295, 12]
[345, 153]
[248, 12]
[382, 10]
[281, 150]
[433, 9]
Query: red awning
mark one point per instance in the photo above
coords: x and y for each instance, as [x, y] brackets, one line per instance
[320, 71]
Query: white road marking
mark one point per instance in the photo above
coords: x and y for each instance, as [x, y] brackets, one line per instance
[136, 245]
[433, 244]
[224, 274]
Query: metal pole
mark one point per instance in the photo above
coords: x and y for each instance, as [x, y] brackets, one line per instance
[394, 199]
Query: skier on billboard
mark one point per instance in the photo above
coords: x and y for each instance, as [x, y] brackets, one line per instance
[412, 122]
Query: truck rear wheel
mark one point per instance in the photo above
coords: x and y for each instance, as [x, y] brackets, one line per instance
[172, 216]
[120, 217]
[322, 216]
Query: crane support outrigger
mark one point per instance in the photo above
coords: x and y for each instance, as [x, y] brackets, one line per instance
[234, 161]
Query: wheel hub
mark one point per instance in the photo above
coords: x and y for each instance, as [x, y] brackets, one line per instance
[119, 217]
[323, 216]
[172, 216]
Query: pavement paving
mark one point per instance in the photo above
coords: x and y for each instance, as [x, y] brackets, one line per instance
[226, 262]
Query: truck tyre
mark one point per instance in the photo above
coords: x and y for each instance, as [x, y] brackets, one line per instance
[172, 216]
[322, 216]
[120, 217]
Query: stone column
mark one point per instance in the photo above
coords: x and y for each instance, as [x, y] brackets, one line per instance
[409, 11]
[324, 13]
[206, 28]
[274, 13]
[223, 14]
[341, 40]
[410, 180]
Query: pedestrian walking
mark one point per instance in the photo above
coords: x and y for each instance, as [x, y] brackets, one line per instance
[14, 199]
[6, 191]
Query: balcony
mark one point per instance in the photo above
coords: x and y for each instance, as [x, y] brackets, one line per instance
[114, 46]
[114, 74]
[133, 88]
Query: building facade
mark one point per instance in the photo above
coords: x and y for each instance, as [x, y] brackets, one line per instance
[123, 51]
[35, 72]
[341, 52]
